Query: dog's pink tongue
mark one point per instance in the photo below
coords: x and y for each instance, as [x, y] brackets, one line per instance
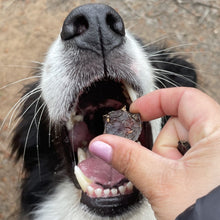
[100, 172]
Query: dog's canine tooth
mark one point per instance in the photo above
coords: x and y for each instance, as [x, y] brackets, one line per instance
[98, 192]
[132, 94]
[81, 154]
[83, 181]
[122, 189]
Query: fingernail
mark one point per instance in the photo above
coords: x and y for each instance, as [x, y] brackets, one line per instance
[101, 150]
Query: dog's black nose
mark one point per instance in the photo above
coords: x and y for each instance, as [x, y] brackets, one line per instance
[95, 27]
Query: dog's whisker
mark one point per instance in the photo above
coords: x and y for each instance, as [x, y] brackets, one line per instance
[29, 130]
[49, 133]
[168, 73]
[22, 115]
[162, 38]
[15, 106]
[38, 63]
[157, 87]
[20, 80]
[174, 64]
[162, 80]
[178, 53]
[174, 47]
[158, 79]
[20, 102]
[37, 138]
[130, 27]
[35, 109]
[174, 84]
[20, 66]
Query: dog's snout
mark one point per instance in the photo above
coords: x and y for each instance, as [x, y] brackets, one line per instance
[95, 27]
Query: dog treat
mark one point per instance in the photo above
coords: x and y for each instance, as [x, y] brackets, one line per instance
[183, 147]
[123, 123]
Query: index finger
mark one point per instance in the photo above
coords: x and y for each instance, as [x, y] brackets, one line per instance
[195, 109]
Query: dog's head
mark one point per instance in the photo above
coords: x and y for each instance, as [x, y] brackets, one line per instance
[95, 66]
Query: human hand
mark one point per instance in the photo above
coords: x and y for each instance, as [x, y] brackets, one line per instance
[170, 181]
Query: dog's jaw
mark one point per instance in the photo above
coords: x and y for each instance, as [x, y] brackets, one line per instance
[63, 205]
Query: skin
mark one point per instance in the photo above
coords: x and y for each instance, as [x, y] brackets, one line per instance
[170, 181]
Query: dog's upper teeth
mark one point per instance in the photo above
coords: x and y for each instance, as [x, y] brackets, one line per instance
[83, 181]
[132, 94]
[73, 120]
[81, 154]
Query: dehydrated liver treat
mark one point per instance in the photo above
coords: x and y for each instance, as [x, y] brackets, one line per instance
[183, 147]
[123, 123]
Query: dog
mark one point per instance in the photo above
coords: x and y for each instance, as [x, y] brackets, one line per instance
[93, 67]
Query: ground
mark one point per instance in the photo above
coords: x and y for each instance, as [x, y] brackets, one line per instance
[28, 27]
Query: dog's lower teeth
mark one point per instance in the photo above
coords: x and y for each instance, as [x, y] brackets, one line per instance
[122, 189]
[89, 187]
[129, 186]
[114, 191]
[83, 181]
[98, 192]
[106, 192]
[90, 190]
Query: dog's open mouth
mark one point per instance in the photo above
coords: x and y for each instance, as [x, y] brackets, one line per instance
[104, 190]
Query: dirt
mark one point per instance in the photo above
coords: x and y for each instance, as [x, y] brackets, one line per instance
[28, 27]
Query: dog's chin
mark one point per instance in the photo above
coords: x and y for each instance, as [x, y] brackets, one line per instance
[105, 191]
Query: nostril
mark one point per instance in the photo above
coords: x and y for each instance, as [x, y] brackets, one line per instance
[80, 25]
[95, 27]
[115, 24]
[74, 26]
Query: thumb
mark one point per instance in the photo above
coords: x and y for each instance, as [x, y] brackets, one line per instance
[144, 168]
